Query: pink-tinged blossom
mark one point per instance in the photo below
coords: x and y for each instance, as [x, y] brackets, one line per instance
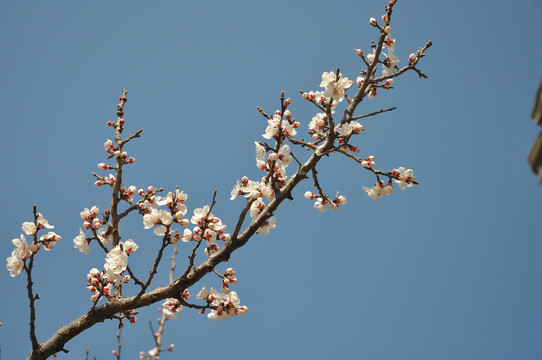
[115, 263]
[404, 177]
[378, 190]
[267, 226]
[23, 249]
[29, 228]
[171, 308]
[320, 204]
[357, 127]
[341, 200]
[412, 59]
[200, 215]
[43, 222]
[49, 240]
[107, 240]
[389, 63]
[272, 127]
[344, 130]
[318, 122]
[335, 88]
[227, 305]
[390, 43]
[360, 80]
[81, 242]
[129, 246]
[180, 196]
[256, 207]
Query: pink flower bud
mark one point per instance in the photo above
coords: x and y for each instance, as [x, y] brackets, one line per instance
[287, 115]
[359, 52]
[360, 80]
[103, 166]
[150, 190]
[412, 58]
[110, 123]
[388, 83]
[96, 223]
[387, 29]
[309, 195]
[131, 160]
[372, 21]
[121, 122]
[287, 102]
[133, 319]
[94, 211]
[109, 147]
[107, 212]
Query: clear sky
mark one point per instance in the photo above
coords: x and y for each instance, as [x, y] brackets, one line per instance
[449, 269]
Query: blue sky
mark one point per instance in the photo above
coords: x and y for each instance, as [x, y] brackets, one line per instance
[445, 270]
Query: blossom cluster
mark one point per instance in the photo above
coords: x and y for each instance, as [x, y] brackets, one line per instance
[321, 203]
[116, 262]
[405, 178]
[24, 250]
[171, 307]
[208, 227]
[100, 227]
[226, 305]
[162, 219]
